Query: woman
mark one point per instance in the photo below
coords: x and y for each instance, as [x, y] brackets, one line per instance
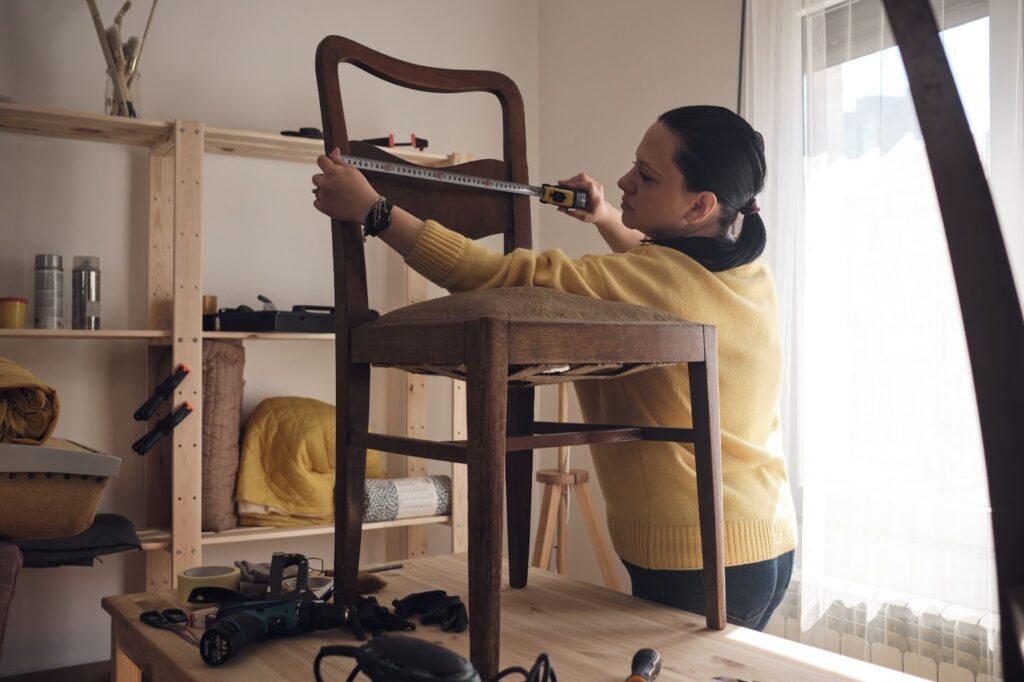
[697, 168]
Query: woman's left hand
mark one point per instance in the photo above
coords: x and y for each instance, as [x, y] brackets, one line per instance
[342, 192]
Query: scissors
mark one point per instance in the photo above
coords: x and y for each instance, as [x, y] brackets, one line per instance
[174, 620]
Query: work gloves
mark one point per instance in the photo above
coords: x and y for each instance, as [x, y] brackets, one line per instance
[370, 616]
[436, 607]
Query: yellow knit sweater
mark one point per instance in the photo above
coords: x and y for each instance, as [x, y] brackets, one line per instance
[650, 487]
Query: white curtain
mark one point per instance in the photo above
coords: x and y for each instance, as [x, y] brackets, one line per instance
[879, 413]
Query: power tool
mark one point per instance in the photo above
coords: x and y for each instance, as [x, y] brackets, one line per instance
[239, 624]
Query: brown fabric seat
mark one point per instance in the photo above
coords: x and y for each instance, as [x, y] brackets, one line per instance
[524, 304]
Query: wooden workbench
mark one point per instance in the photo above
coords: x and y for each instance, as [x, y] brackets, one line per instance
[590, 633]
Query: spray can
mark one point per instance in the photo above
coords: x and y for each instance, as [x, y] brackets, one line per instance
[48, 311]
[85, 292]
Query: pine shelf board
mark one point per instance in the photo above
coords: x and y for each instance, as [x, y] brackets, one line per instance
[140, 132]
[152, 539]
[270, 336]
[302, 149]
[77, 125]
[127, 334]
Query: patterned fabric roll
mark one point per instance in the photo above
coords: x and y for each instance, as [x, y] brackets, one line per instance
[400, 498]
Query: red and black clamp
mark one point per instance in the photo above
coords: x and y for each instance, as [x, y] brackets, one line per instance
[161, 393]
[162, 428]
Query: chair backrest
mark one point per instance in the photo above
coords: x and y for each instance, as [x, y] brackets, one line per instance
[989, 305]
[474, 212]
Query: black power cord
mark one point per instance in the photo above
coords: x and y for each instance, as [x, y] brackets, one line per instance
[540, 672]
[381, 660]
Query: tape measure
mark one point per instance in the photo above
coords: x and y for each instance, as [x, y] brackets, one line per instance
[548, 194]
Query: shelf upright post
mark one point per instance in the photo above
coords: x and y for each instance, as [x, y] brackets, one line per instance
[160, 315]
[187, 345]
[415, 417]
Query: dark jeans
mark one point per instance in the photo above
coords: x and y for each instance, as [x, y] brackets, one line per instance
[752, 591]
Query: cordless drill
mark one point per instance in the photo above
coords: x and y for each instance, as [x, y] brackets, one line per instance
[244, 622]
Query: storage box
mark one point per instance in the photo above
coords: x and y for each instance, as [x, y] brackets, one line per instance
[301, 318]
[52, 490]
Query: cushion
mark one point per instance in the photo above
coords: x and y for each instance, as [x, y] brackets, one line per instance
[28, 407]
[223, 381]
[523, 304]
[401, 498]
[288, 459]
[527, 304]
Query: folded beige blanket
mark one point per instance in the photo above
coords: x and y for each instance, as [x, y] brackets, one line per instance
[28, 407]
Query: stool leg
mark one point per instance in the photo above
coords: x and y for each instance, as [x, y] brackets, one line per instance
[519, 487]
[604, 560]
[546, 528]
[487, 395]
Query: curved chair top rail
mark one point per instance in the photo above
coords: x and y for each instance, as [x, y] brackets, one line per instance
[989, 305]
[335, 50]
[474, 212]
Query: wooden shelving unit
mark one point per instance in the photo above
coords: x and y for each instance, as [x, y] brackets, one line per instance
[174, 540]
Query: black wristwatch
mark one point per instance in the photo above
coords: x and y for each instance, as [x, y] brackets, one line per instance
[378, 218]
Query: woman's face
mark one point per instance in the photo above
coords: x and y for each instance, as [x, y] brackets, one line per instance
[655, 200]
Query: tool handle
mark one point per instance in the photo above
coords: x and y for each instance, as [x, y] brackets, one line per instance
[566, 197]
[162, 428]
[646, 666]
[161, 393]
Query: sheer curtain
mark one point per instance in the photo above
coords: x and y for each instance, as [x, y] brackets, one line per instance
[879, 413]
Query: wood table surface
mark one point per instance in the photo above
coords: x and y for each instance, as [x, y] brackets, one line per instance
[590, 634]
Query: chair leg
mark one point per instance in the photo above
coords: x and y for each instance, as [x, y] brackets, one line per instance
[486, 397]
[707, 444]
[349, 479]
[519, 487]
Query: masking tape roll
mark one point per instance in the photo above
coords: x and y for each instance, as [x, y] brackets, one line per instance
[206, 576]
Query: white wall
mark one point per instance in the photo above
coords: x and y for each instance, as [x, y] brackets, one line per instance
[593, 73]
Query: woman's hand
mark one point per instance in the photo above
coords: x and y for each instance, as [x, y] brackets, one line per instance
[598, 210]
[602, 215]
[342, 192]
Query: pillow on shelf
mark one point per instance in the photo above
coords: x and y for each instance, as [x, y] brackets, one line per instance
[288, 459]
[223, 381]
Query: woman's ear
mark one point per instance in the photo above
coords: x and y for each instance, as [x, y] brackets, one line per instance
[704, 204]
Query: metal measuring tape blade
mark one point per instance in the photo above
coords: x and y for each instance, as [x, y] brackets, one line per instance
[548, 194]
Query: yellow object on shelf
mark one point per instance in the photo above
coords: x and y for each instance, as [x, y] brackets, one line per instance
[28, 407]
[12, 312]
[286, 473]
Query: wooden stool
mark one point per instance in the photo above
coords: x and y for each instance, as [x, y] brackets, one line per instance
[554, 511]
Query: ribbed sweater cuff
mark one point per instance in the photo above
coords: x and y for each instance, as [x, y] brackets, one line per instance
[678, 547]
[436, 252]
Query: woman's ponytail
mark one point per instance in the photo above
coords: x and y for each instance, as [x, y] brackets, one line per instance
[752, 240]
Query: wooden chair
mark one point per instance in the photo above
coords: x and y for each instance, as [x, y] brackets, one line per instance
[484, 338]
[991, 310]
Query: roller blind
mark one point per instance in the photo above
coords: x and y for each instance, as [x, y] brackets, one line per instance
[855, 28]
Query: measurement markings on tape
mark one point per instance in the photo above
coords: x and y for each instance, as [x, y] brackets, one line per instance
[548, 194]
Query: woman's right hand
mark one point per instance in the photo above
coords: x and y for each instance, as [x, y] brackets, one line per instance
[598, 210]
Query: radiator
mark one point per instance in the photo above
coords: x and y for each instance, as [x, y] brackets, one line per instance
[929, 639]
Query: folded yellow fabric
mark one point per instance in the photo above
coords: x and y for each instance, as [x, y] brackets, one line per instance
[287, 463]
[28, 407]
